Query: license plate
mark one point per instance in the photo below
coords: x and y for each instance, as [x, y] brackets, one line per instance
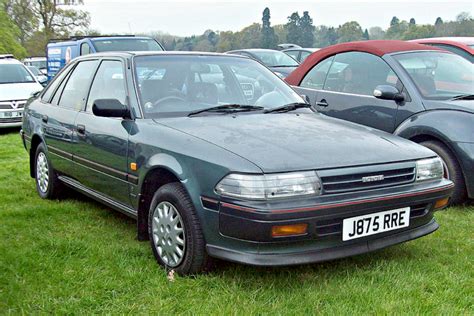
[370, 224]
[11, 114]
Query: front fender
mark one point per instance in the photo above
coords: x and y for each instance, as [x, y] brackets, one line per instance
[447, 125]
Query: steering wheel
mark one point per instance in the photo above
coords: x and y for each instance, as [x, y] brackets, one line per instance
[168, 99]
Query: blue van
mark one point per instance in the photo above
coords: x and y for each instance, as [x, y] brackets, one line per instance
[60, 52]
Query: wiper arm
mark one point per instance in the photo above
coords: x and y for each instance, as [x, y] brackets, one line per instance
[228, 108]
[288, 107]
[463, 97]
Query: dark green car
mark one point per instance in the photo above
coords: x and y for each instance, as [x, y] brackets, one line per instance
[216, 157]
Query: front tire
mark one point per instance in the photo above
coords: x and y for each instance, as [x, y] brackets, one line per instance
[48, 185]
[176, 236]
[453, 170]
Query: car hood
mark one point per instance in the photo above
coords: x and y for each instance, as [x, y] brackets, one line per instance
[459, 105]
[291, 141]
[18, 91]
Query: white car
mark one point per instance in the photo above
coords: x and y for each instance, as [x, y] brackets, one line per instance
[17, 85]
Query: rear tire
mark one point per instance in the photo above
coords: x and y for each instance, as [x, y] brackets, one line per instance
[454, 171]
[48, 185]
[175, 233]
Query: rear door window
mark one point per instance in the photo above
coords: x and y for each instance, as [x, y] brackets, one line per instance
[77, 86]
[316, 77]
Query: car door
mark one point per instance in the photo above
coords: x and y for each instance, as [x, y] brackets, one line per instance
[101, 153]
[348, 88]
[60, 110]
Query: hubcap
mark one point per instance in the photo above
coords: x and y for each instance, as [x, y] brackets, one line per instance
[168, 234]
[42, 172]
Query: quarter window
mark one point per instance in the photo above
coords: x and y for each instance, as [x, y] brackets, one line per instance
[75, 91]
[109, 83]
[315, 78]
[359, 73]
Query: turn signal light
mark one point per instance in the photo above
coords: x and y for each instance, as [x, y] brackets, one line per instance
[441, 203]
[289, 230]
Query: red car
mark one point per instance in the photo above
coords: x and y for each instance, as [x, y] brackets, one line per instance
[462, 46]
[415, 91]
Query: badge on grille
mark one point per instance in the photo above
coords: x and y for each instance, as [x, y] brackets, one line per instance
[14, 104]
[379, 177]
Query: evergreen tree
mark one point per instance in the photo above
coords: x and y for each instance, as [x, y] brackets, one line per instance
[439, 21]
[366, 35]
[307, 30]
[412, 21]
[293, 28]
[395, 21]
[269, 39]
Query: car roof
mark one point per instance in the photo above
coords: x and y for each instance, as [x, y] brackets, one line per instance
[309, 49]
[460, 42]
[253, 50]
[375, 47]
[9, 60]
[124, 54]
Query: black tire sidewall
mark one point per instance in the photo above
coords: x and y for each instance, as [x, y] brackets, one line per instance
[454, 169]
[194, 250]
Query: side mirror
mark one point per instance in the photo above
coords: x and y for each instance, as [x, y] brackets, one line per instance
[43, 80]
[387, 92]
[110, 108]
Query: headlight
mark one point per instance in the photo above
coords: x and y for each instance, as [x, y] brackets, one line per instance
[269, 186]
[429, 169]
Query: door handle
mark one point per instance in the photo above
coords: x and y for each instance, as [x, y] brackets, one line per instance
[44, 118]
[81, 129]
[323, 103]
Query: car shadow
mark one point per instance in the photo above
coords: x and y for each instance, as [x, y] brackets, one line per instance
[9, 130]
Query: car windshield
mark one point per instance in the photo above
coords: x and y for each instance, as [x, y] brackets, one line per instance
[178, 85]
[14, 73]
[126, 44]
[275, 59]
[34, 70]
[437, 75]
[40, 64]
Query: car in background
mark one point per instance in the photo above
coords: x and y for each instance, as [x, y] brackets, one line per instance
[287, 45]
[60, 52]
[17, 84]
[462, 46]
[299, 54]
[280, 63]
[415, 91]
[41, 77]
[38, 62]
[171, 139]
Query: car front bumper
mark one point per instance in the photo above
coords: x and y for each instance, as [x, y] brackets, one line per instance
[244, 231]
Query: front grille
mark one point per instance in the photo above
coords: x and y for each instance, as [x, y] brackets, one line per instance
[367, 180]
[12, 105]
[334, 226]
[10, 120]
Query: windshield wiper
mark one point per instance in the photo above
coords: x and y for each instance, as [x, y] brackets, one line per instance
[288, 107]
[463, 97]
[228, 108]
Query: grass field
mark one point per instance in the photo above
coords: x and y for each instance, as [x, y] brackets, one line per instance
[76, 256]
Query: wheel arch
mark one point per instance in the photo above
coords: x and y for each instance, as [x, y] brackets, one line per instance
[154, 178]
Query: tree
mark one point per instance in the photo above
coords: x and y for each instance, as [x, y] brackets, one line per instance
[23, 16]
[8, 37]
[438, 21]
[376, 33]
[395, 21]
[412, 21]
[349, 31]
[463, 16]
[293, 28]
[366, 35]
[269, 39]
[307, 30]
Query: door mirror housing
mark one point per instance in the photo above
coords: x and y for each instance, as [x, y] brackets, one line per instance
[387, 92]
[110, 108]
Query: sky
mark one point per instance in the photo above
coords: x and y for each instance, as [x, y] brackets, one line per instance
[186, 17]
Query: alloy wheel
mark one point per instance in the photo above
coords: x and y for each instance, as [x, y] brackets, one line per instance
[42, 172]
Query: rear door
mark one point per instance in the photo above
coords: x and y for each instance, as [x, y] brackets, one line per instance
[348, 88]
[60, 111]
[101, 152]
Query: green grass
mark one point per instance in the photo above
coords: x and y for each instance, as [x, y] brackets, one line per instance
[77, 256]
